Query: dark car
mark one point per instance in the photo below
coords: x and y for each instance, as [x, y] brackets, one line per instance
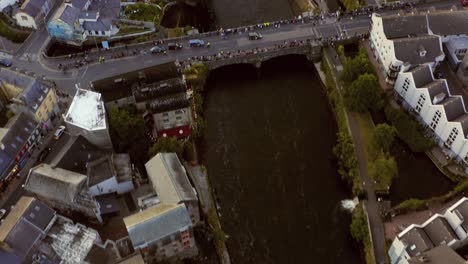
[174, 46]
[43, 155]
[255, 36]
[158, 49]
[5, 62]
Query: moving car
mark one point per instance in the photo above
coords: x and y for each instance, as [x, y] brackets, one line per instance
[174, 46]
[255, 36]
[5, 62]
[196, 43]
[158, 49]
[58, 133]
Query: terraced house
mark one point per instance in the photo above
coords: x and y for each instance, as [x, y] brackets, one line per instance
[25, 94]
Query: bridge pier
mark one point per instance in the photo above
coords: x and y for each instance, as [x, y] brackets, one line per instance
[258, 65]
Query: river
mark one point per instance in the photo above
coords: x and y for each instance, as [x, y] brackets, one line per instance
[268, 152]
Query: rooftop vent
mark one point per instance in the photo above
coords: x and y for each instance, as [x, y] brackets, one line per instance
[423, 259]
[422, 51]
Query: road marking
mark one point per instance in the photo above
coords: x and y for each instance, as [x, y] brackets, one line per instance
[317, 33]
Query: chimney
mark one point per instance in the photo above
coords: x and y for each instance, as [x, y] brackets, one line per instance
[422, 51]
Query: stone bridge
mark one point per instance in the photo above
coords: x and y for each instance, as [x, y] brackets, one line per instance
[311, 50]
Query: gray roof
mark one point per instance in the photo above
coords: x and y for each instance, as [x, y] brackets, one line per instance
[107, 8]
[100, 25]
[108, 166]
[408, 49]
[463, 120]
[436, 87]
[439, 255]
[448, 22]
[69, 15]
[453, 107]
[74, 154]
[32, 7]
[462, 209]
[88, 14]
[156, 223]
[55, 184]
[439, 231]
[404, 25]
[422, 75]
[417, 237]
[169, 179]
[31, 224]
[108, 203]
[123, 167]
[79, 3]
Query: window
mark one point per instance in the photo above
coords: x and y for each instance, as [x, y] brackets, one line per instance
[165, 114]
[166, 120]
[25, 18]
[96, 33]
[435, 120]
[178, 118]
[421, 101]
[451, 138]
[405, 87]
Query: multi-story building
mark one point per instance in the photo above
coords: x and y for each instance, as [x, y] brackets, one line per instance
[440, 111]
[416, 242]
[30, 96]
[87, 117]
[34, 233]
[402, 40]
[75, 20]
[168, 207]
[33, 13]
[17, 140]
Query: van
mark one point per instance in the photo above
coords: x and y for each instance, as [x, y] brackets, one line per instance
[196, 43]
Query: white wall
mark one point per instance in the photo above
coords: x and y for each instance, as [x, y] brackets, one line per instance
[25, 20]
[397, 252]
[383, 47]
[5, 3]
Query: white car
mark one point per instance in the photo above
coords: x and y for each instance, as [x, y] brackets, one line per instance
[2, 213]
[58, 133]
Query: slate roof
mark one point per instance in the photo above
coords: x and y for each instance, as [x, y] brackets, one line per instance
[107, 8]
[462, 210]
[32, 7]
[453, 107]
[408, 49]
[402, 26]
[88, 14]
[100, 170]
[439, 255]
[448, 22]
[422, 75]
[463, 120]
[18, 130]
[436, 87]
[55, 184]
[439, 231]
[416, 241]
[79, 3]
[100, 25]
[156, 223]
[169, 179]
[70, 15]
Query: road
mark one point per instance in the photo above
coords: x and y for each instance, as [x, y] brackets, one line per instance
[29, 60]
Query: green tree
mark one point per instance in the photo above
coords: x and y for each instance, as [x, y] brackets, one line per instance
[355, 67]
[125, 125]
[383, 170]
[196, 75]
[363, 94]
[166, 144]
[358, 227]
[383, 136]
[344, 152]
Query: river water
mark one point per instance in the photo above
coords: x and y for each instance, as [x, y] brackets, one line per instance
[268, 151]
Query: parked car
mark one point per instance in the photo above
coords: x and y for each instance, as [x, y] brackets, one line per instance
[5, 63]
[43, 155]
[58, 133]
[158, 49]
[196, 43]
[174, 46]
[255, 36]
[2, 213]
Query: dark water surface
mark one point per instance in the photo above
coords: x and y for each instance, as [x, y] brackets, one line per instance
[269, 156]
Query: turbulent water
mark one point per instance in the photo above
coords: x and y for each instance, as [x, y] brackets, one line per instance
[269, 143]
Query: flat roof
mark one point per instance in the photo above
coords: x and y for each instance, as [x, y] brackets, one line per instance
[87, 111]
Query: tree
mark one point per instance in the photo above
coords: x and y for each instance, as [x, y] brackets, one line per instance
[166, 144]
[126, 126]
[383, 170]
[344, 152]
[363, 94]
[196, 75]
[359, 230]
[356, 67]
[383, 136]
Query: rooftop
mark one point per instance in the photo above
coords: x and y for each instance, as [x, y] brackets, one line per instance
[422, 75]
[67, 14]
[448, 22]
[418, 50]
[169, 179]
[108, 166]
[404, 25]
[439, 231]
[416, 241]
[55, 183]
[453, 107]
[439, 255]
[87, 111]
[156, 223]
[158, 89]
[461, 209]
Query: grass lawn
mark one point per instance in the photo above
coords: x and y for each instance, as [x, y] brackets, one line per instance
[367, 129]
[12, 35]
[144, 12]
[129, 30]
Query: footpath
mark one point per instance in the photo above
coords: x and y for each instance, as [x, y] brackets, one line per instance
[371, 205]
